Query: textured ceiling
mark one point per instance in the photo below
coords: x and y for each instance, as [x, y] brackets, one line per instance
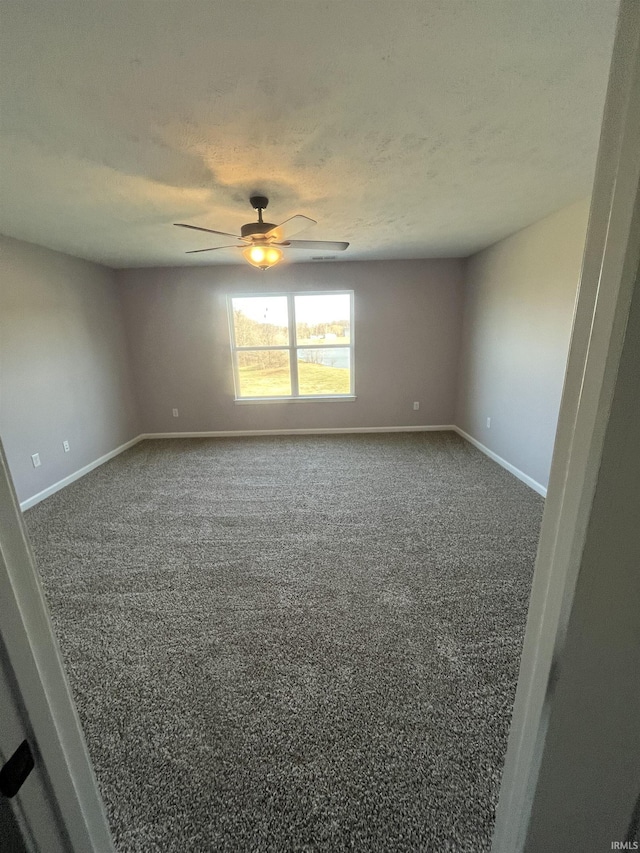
[412, 129]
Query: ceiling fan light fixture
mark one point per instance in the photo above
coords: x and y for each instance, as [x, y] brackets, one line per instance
[263, 257]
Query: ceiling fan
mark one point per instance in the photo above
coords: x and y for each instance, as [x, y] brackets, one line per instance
[262, 242]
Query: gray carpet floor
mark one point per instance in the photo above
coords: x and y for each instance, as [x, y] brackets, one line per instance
[293, 643]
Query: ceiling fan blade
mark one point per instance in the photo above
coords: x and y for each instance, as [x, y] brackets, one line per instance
[328, 245]
[290, 226]
[214, 249]
[208, 230]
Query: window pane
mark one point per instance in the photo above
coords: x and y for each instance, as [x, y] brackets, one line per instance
[323, 319]
[264, 373]
[325, 370]
[260, 321]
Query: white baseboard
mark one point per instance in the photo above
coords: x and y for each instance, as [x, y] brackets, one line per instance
[233, 433]
[537, 487]
[50, 490]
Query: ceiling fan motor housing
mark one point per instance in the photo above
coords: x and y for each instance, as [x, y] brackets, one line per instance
[256, 229]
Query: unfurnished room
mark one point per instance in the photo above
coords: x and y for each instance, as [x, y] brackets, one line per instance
[289, 295]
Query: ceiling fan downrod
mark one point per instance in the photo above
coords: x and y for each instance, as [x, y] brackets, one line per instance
[259, 203]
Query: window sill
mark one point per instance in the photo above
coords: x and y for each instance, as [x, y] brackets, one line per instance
[343, 398]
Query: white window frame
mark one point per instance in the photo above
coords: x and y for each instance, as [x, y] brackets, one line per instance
[291, 347]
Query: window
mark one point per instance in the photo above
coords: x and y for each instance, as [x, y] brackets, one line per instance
[295, 346]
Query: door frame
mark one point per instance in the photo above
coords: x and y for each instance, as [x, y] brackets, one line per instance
[610, 262]
[62, 808]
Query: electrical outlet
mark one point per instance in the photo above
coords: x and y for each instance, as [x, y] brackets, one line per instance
[416, 406]
[488, 423]
[175, 413]
[65, 445]
[35, 458]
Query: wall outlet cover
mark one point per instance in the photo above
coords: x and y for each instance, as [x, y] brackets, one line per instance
[35, 458]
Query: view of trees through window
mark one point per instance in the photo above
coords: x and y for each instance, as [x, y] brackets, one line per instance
[294, 345]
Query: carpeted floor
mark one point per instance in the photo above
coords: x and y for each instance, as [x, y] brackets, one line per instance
[293, 643]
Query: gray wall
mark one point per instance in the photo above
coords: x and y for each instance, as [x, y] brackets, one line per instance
[64, 371]
[519, 303]
[407, 335]
[67, 371]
